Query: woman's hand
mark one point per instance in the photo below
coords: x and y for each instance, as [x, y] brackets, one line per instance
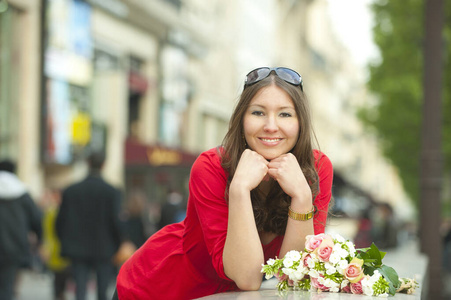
[286, 170]
[251, 170]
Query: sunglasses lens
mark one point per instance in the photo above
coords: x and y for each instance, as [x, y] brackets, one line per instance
[257, 75]
[286, 74]
[289, 76]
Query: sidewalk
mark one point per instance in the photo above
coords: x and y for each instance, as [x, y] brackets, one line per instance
[38, 286]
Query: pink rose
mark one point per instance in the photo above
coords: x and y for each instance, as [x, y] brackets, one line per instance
[313, 241]
[325, 249]
[346, 289]
[356, 288]
[305, 258]
[318, 285]
[280, 276]
[354, 271]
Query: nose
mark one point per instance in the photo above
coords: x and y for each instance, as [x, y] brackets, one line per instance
[271, 124]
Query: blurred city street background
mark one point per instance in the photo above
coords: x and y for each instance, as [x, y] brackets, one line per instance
[152, 83]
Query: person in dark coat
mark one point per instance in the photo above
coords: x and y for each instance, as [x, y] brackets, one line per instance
[172, 210]
[88, 227]
[19, 216]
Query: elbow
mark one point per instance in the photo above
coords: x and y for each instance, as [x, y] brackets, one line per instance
[249, 283]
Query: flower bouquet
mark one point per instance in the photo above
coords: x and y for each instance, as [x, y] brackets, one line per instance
[331, 263]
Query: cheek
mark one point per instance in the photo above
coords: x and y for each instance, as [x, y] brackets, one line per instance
[249, 127]
[292, 130]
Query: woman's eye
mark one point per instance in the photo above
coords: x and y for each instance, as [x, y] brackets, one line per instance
[285, 115]
[257, 113]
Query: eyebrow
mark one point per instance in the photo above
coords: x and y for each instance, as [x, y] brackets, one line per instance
[283, 107]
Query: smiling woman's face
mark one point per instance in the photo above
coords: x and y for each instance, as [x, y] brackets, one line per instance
[271, 126]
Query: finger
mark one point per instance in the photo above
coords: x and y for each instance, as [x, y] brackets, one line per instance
[273, 165]
[274, 173]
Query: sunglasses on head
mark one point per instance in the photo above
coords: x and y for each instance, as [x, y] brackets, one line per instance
[288, 75]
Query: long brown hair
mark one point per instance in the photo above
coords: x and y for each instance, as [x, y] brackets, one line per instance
[271, 212]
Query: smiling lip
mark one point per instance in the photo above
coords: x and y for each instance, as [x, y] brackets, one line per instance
[270, 141]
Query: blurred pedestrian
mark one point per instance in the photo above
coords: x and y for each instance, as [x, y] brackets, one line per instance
[258, 195]
[51, 245]
[172, 210]
[385, 229]
[447, 247]
[19, 216]
[88, 227]
[363, 237]
[134, 228]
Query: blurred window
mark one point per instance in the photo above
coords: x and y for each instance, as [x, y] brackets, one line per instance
[137, 88]
[176, 3]
[10, 59]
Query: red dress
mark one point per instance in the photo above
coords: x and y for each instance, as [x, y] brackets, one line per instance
[184, 260]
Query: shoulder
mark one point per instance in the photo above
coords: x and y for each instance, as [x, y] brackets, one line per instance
[209, 162]
[90, 182]
[211, 157]
[77, 185]
[322, 162]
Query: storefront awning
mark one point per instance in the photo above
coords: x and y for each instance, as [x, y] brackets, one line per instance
[137, 153]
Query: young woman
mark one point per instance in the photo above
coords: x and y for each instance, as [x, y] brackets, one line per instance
[256, 197]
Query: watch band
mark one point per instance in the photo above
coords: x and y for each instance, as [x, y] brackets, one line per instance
[300, 216]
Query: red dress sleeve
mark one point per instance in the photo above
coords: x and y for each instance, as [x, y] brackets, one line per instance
[207, 190]
[325, 173]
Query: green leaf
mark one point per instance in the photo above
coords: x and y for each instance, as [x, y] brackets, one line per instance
[392, 278]
[368, 270]
[390, 275]
[371, 255]
[391, 289]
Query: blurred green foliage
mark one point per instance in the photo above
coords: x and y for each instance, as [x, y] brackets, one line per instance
[397, 81]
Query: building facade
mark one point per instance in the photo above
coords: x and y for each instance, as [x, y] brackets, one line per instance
[153, 83]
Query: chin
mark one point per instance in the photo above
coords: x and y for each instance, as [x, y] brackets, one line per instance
[270, 156]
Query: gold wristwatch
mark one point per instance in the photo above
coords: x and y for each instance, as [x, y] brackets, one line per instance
[299, 216]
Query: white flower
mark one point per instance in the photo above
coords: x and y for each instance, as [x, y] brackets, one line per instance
[344, 283]
[325, 281]
[341, 266]
[375, 277]
[310, 263]
[313, 273]
[368, 290]
[334, 258]
[302, 269]
[293, 255]
[338, 238]
[334, 289]
[297, 275]
[288, 271]
[271, 261]
[367, 287]
[368, 283]
[351, 248]
[287, 262]
[269, 276]
[330, 269]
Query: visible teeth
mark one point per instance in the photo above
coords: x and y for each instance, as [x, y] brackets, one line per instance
[270, 140]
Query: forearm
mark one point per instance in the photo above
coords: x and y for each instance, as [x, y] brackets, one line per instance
[243, 253]
[296, 231]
